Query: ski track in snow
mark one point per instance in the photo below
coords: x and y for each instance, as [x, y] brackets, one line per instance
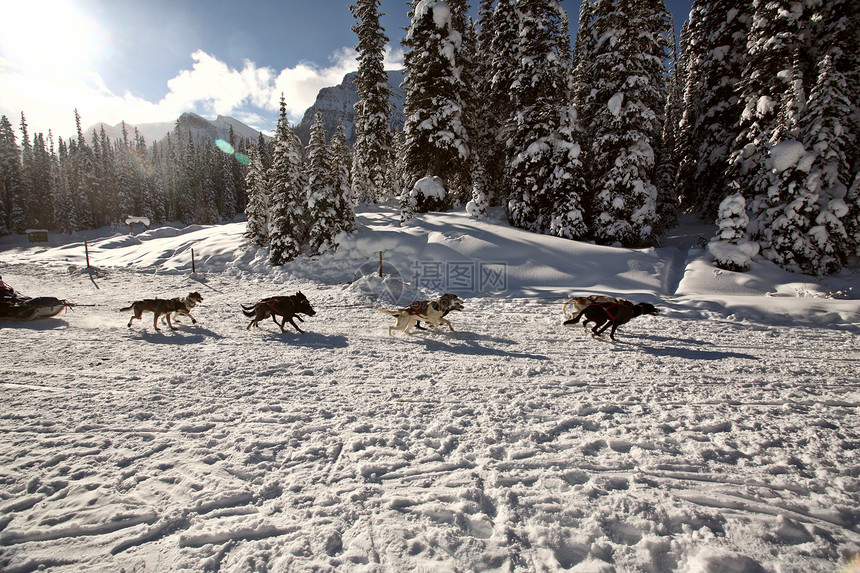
[511, 444]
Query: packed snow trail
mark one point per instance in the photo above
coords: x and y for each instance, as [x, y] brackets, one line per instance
[700, 441]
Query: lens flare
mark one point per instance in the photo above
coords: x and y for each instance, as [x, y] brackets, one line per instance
[228, 149]
[225, 146]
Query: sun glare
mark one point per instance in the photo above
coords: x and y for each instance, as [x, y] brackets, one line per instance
[50, 36]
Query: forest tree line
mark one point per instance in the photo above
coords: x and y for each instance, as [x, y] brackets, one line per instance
[752, 123]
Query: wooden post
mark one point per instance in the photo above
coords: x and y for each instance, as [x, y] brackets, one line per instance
[380, 263]
[193, 265]
[87, 251]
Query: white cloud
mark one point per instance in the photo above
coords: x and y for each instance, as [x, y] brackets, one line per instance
[210, 88]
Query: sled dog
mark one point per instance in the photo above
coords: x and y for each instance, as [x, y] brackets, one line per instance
[189, 302]
[431, 312]
[288, 307]
[157, 306]
[580, 302]
[613, 314]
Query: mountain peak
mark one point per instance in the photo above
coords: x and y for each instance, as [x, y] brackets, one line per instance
[337, 104]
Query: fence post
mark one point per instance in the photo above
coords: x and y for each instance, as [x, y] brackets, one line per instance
[87, 251]
[380, 263]
[193, 265]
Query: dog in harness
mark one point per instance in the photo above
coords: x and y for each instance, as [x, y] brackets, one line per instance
[611, 313]
[431, 312]
[581, 302]
[287, 307]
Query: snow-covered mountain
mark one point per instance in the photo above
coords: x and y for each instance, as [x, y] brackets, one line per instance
[337, 104]
[202, 128]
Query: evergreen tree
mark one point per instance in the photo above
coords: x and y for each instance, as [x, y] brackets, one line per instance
[714, 52]
[373, 161]
[321, 201]
[773, 47]
[483, 124]
[341, 159]
[623, 115]
[835, 103]
[499, 45]
[41, 191]
[11, 180]
[257, 209]
[808, 233]
[287, 227]
[583, 49]
[63, 206]
[436, 140]
[232, 179]
[731, 249]
[27, 176]
[543, 172]
[204, 204]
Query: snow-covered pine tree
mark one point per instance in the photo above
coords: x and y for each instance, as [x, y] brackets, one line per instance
[731, 249]
[86, 178]
[373, 160]
[42, 204]
[468, 69]
[61, 173]
[808, 233]
[773, 45]
[666, 161]
[287, 221]
[837, 46]
[582, 50]
[482, 124]
[232, 188]
[714, 53]
[543, 172]
[257, 209]
[208, 174]
[623, 115]
[341, 159]
[436, 140]
[498, 51]
[320, 191]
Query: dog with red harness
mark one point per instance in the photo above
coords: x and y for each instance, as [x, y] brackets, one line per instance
[580, 302]
[609, 311]
[287, 307]
[431, 312]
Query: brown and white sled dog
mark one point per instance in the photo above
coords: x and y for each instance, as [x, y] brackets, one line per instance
[157, 306]
[581, 302]
[431, 312]
[189, 302]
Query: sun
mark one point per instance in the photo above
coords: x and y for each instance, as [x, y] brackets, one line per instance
[51, 36]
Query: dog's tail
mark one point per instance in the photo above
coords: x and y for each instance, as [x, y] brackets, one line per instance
[248, 310]
[128, 308]
[391, 312]
[564, 308]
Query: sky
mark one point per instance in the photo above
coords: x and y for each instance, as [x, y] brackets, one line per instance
[151, 61]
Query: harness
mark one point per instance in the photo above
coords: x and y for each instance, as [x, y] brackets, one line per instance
[606, 306]
[418, 308]
[271, 304]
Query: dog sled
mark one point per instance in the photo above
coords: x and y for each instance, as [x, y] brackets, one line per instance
[17, 307]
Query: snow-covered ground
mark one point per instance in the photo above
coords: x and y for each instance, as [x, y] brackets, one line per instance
[720, 436]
